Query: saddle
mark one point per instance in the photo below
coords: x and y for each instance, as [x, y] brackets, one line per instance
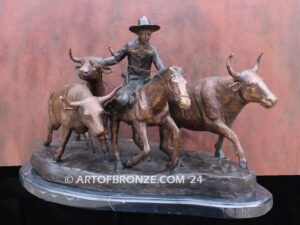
[126, 96]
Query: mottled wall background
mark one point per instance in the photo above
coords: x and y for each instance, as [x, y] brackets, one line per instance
[196, 35]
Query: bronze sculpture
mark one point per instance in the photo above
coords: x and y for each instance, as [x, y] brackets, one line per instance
[150, 108]
[143, 101]
[94, 81]
[216, 102]
[90, 74]
[76, 109]
[163, 100]
[141, 54]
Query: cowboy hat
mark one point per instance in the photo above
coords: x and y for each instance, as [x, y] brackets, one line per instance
[143, 24]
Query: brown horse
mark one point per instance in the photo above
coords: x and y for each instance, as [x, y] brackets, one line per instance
[216, 102]
[150, 108]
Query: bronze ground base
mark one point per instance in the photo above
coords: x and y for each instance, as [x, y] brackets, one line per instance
[201, 172]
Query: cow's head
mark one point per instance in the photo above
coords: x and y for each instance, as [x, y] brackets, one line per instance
[86, 71]
[251, 87]
[91, 111]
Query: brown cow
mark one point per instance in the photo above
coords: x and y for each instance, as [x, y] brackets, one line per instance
[94, 80]
[76, 109]
[216, 102]
[90, 74]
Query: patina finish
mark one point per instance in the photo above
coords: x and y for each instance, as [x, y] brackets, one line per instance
[216, 102]
[142, 101]
[75, 108]
[141, 54]
[90, 74]
[150, 108]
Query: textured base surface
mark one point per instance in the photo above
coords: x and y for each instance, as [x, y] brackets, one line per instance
[197, 205]
[201, 173]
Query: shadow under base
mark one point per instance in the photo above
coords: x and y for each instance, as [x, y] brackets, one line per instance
[201, 173]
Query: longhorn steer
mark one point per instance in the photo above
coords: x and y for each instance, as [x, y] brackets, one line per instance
[93, 78]
[76, 109]
[216, 102]
[90, 74]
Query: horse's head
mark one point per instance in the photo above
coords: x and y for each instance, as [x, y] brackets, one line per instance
[177, 86]
[86, 71]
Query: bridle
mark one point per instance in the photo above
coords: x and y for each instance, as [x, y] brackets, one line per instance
[167, 86]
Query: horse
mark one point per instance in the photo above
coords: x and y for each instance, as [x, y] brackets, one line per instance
[150, 108]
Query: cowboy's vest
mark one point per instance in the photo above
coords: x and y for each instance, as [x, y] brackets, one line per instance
[138, 58]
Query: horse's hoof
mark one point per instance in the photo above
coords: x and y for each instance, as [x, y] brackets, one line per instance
[170, 167]
[46, 143]
[57, 158]
[220, 154]
[243, 164]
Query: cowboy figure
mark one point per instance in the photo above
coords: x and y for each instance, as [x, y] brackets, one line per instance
[140, 54]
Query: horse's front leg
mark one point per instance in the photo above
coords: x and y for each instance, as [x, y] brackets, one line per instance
[114, 124]
[138, 142]
[140, 130]
[170, 125]
[165, 135]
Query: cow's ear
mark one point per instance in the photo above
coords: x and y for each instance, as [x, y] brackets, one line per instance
[106, 70]
[235, 86]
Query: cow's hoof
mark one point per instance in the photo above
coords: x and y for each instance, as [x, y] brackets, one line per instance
[77, 137]
[128, 164]
[181, 164]
[220, 155]
[46, 143]
[243, 164]
[147, 159]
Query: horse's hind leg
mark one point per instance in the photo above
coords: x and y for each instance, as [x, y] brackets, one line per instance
[138, 142]
[141, 130]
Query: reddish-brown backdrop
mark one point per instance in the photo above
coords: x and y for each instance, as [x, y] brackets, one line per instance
[196, 35]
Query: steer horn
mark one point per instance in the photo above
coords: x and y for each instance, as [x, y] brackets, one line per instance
[255, 68]
[105, 98]
[229, 69]
[70, 103]
[77, 60]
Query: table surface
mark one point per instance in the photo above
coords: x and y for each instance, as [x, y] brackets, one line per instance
[197, 205]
